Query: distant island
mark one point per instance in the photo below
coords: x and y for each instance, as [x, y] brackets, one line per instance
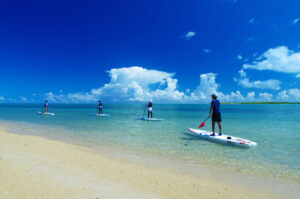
[261, 103]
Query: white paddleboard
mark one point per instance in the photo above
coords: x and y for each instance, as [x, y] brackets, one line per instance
[226, 139]
[149, 119]
[46, 113]
[100, 115]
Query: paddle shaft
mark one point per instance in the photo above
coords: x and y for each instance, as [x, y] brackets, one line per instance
[206, 119]
[144, 111]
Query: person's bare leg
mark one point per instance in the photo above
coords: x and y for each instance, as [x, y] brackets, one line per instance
[213, 127]
[220, 127]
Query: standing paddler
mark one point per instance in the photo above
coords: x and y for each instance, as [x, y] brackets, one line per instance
[149, 109]
[100, 107]
[46, 106]
[216, 114]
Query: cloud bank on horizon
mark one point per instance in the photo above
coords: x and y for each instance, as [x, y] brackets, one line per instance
[134, 84]
[138, 84]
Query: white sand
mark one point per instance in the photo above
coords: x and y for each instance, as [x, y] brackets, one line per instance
[35, 167]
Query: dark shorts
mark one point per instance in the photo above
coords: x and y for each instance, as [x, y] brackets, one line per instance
[216, 117]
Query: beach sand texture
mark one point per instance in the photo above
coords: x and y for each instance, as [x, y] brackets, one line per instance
[36, 167]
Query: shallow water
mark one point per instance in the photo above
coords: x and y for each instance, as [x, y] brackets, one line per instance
[276, 129]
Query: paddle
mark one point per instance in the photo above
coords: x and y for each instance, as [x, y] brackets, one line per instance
[203, 123]
[144, 111]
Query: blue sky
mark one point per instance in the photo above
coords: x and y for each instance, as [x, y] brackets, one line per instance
[168, 51]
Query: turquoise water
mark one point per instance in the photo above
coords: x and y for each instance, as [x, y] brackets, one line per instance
[276, 129]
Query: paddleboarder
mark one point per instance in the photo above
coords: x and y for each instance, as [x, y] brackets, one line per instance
[150, 109]
[215, 114]
[46, 106]
[100, 107]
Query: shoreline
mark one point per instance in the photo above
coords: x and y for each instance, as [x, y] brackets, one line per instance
[154, 179]
[263, 171]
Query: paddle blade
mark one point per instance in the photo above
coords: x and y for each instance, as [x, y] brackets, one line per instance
[202, 125]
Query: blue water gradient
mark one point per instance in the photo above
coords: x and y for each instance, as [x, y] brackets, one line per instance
[276, 129]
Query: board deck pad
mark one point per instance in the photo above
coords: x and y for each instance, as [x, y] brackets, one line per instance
[226, 139]
[149, 119]
[100, 115]
[46, 113]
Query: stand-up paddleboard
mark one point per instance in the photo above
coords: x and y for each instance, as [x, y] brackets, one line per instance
[226, 139]
[149, 119]
[100, 115]
[46, 113]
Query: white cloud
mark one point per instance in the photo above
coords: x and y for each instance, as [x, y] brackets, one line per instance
[242, 73]
[266, 97]
[250, 39]
[244, 81]
[189, 35]
[291, 95]
[55, 98]
[2, 98]
[295, 21]
[251, 20]
[234, 97]
[50, 96]
[271, 84]
[206, 50]
[239, 57]
[138, 84]
[142, 76]
[279, 59]
[23, 99]
[130, 84]
[134, 84]
[75, 97]
[206, 87]
[170, 94]
[251, 96]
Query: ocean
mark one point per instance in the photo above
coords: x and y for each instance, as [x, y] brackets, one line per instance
[276, 129]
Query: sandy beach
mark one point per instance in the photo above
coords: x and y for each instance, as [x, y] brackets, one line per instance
[36, 167]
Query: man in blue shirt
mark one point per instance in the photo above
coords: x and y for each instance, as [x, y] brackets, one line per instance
[216, 114]
[46, 106]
